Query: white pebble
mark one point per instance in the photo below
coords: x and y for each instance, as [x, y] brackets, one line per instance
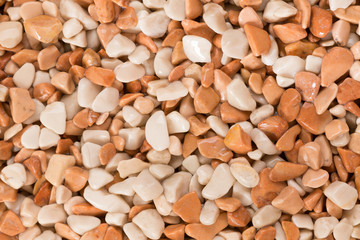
[70, 9]
[261, 113]
[214, 17]
[146, 186]
[269, 58]
[87, 92]
[343, 230]
[191, 163]
[284, 82]
[277, 11]
[209, 213]
[197, 49]
[172, 91]
[124, 187]
[30, 138]
[263, 142]
[217, 125]
[139, 55]
[313, 64]
[63, 194]
[48, 138]
[244, 174]
[71, 28]
[78, 40]
[177, 123]
[120, 46]
[342, 194]
[155, 24]
[57, 165]
[239, 96]
[131, 166]
[82, 224]
[234, 43]
[14, 175]
[51, 214]
[128, 72]
[99, 137]
[176, 186]
[324, 226]
[54, 117]
[156, 132]
[335, 4]
[161, 171]
[303, 221]
[106, 100]
[355, 71]
[150, 222]
[134, 137]
[288, 66]
[116, 219]
[24, 77]
[265, 216]
[133, 117]
[133, 232]
[12, 131]
[11, 34]
[98, 178]
[175, 9]
[90, 155]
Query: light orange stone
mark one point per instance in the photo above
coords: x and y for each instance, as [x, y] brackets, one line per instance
[287, 141]
[21, 105]
[311, 121]
[289, 105]
[10, 224]
[239, 218]
[206, 232]
[258, 38]
[288, 201]
[304, 9]
[238, 140]
[349, 90]
[175, 232]
[100, 76]
[289, 32]
[188, 207]
[292, 232]
[310, 154]
[266, 233]
[308, 84]
[335, 64]
[214, 147]
[43, 28]
[138, 208]
[76, 178]
[248, 15]
[274, 127]
[113, 233]
[230, 114]
[228, 204]
[350, 159]
[87, 209]
[283, 171]
[321, 22]
[205, 100]
[272, 91]
[96, 233]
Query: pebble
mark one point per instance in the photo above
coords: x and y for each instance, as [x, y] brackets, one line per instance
[234, 43]
[14, 175]
[214, 147]
[288, 66]
[258, 38]
[51, 214]
[146, 186]
[213, 15]
[248, 15]
[324, 226]
[98, 178]
[336, 4]
[82, 224]
[30, 138]
[220, 183]
[205, 100]
[197, 49]
[79, 39]
[127, 72]
[342, 194]
[175, 9]
[71, 9]
[238, 140]
[188, 207]
[283, 171]
[133, 232]
[277, 11]
[272, 55]
[24, 77]
[265, 216]
[54, 117]
[11, 34]
[150, 222]
[22, 106]
[172, 91]
[198, 230]
[71, 28]
[244, 174]
[43, 28]
[106, 100]
[139, 55]
[119, 46]
[155, 24]
[303, 221]
[288, 201]
[133, 137]
[176, 186]
[313, 64]
[239, 96]
[263, 142]
[176, 123]
[56, 168]
[159, 140]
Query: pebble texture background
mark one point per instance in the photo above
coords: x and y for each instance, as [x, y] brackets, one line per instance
[179, 119]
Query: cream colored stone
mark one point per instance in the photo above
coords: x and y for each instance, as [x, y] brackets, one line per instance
[57, 165]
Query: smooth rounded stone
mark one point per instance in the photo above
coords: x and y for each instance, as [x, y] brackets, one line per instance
[204, 173]
[11, 34]
[263, 142]
[13, 130]
[133, 232]
[265, 216]
[261, 114]
[284, 82]
[63, 194]
[161, 171]
[153, 86]
[131, 166]
[146, 186]
[342, 194]
[239, 96]
[14, 175]
[99, 137]
[176, 186]
[124, 187]
[277, 11]
[28, 212]
[354, 71]
[71, 202]
[191, 163]
[133, 137]
[220, 183]
[132, 116]
[242, 193]
[70, 9]
[288, 66]
[14, 13]
[162, 157]
[244, 174]
[139, 55]
[156, 132]
[71, 105]
[87, 92]
[163, 207]
[106, 100]
[155, 24]
[98, 178]
[209, 213]
[82, 224]
[47, 235]
[150, 222]
[71, 28]
[57, 165]
[324, 226]
[214, 17]
[217, 125]
[90, 155]
[105, 201]
[48, 138]
[51, 214]
[30, 10]
[30, 138]
[78, 40]
[343, 230]
[173, 91]
[353, 215]
[273, 54]
[177, 123]
[234, 43]
[334, 4]
[197, 49]
[117, 219]
[119, 46]
[303, 221]
[24, 77]
[128, 72]
[175, 9]
[313, 64]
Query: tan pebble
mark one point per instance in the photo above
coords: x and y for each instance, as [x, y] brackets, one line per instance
[249, 233]
[289, 105]
[335, 129]
[315, 178]
[127, 19]
[331, 68]
[289, 32]
[43, 28]
[230, 114]
[311, 121]
[288, 201]
[248, 15]
[321, 22]
[4, 117]
[106, 32]
[76, 178]
[333, 209]
[354, 143]
[255, 83]
[214, 147]
[25, 56]
[7, 193]
[47, 57]
[341, 32]
[173, 37]
[10, 224]
[178, 54]
[271, 90]
[308, 84]
[229, 204]
[325, 98]
[283, 171]
[198, 127]
[207, 75]
[274, 127]
[349, 90]
[90, 58]
[105, 10]
[22, 106]
[188, 207]
[100, 76]
[266, 233]
[304, 8]
[193, 9]
[310, 155]
[291, 231]
[107, 152]
[65, 231]
[206, 232]
[63, 82]
[43, 91]
[350, 14]
[175, 232]
[350, 159]
[287, 141]
[113, 233]
[239, 218]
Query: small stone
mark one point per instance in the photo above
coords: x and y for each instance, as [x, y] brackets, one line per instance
[14, 175]
[30, 138]
[234, 43]
[188, 207]
[43, 28]
[238, 140]
[239, 218]
[324, 226]
[265, 216]
[10, 224]
[315, 178]
[283, 171]
[197, 49]
[198, 230]
[239, 96]
[51, 214]
[24, 77]
[278, 11]
[71, 28]
[155, 24]
[228, 204]
[54, 117]
[63, 82]
[150, 222]
[258, 38]
[321, 22]
[55, 172]
[156, 132]
[22, 106]
[288, 201]
[205, 100]
[342, 194]
[244, 174]
[11, 34]
[308, 84]
[146, 186]
[214, 147]
[291, 230]
[71, 9]
[119, 46]
[127, 72]
[106, 100]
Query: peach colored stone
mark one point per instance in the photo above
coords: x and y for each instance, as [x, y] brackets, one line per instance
[271, 90]
[248, 15]
[100, 76]
[193, 9]
[304, 8]
[205, 100]
[289, 32]
[7, 193]
[312, 199]
[238, 140]
[321, 22]
[289, 105]
[288, 201]
[214, 147]
[300, 48]
[230, 114]
[5, 150]
[350, 159]
[47, 57]
[207, 75]
[188, 207]
[283, 171]
[175, 232]
[228, 204]
[113, 233]
[206, 232]
[336, 128]
[325, 98]
[10, 224]
[266, 233]
[76, 178]
[291, 231]
[335, 64]
[287, 141]
[274, 127]
[43, 28]
[311, 121]
[315, 178]
[198, 29]
[21, 105]
[350, 14]
[349, 90]
[127, 19]
[239, 218]
[308, 84]
[258, 38]
[310, 154]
